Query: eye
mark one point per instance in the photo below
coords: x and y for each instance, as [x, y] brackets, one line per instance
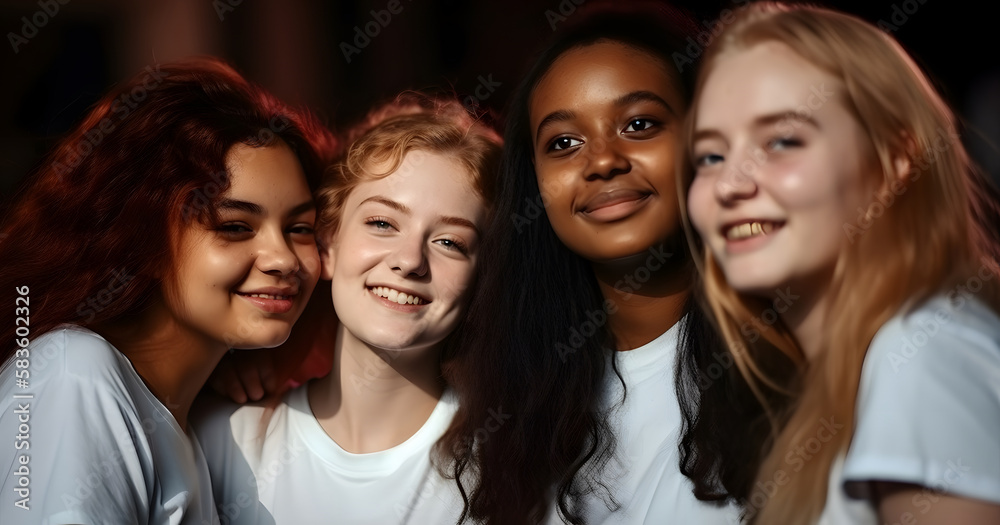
[453, 244]
[708, 159]
[563, 143]
[302, 229]
[381, 224]
[234, 230]
[639, 124]
[783, 143]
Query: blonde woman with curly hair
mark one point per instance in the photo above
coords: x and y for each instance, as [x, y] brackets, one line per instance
[399, 223]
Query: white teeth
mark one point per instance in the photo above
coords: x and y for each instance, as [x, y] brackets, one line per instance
[396, 296]
[266, 296]
[749, 229]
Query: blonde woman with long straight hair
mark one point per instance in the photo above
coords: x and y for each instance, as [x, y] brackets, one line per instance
[842, 229]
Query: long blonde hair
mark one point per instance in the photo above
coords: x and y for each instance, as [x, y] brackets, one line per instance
[924, 233]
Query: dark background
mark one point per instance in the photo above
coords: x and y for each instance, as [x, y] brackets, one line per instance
[293, 48]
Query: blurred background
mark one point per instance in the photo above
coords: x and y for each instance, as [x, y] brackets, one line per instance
[60, 56]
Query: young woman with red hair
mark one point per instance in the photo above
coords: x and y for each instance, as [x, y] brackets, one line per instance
[175, 223]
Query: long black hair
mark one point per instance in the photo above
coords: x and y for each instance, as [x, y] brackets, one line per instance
[531, 427]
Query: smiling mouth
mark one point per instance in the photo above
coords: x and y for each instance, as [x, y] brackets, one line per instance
[749, 229]
[396, 296]
[612, 198]
[267, 296]
[615, 205]
[270, 303]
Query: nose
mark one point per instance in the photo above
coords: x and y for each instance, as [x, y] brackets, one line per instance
[737, 180]
[607, 159]
[276, 256]
[409, 259]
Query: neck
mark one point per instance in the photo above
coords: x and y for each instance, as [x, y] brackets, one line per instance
[172, 361]
[647, 292]
[804, 313]
[375, 399]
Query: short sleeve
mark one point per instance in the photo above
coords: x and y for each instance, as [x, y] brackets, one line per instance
[80, 460]
[929, 403]
[234, 482]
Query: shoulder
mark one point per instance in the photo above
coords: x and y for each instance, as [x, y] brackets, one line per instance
[69, 361]
[71, 351]
[928, 407]
[84, 428]
[939, 339]
[214, 414]
[225, 427]
[246, 451]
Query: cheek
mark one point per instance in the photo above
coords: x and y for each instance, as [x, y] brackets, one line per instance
[358, 249]
[221, 267]
[701, 206]
[308, 255]
[554, 179]
[813, 180]
[455, 278]
[817, 190]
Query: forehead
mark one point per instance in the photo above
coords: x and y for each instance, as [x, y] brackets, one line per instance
[602, 71]
[264, 170]
[764, 79]
[423, 181]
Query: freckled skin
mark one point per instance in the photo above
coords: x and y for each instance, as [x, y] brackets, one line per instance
[417, 250]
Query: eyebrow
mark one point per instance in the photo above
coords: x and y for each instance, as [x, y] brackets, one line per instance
[556, 116]
[244, 206]
[624, 100]
[387, 202]
[257, 209]
[760, 122]
[302, 208]
[644, 96]
[454, 221]
[458, 221]
[773, 118]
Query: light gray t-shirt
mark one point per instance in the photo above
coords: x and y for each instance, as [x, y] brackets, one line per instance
[928, 410]
[98, 447]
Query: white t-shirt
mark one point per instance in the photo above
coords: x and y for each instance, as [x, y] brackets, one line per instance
[928, 410]
[645, 476]
[292, 472]
[100, 447]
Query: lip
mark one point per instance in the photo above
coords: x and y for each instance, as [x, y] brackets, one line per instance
[614, 205]
[279, 300]
[408, 308]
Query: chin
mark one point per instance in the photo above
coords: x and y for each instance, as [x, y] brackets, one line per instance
[389, 340]
[264, 338]
[621, 250]
[752, 285]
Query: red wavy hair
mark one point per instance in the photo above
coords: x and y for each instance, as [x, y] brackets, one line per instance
[88, 233]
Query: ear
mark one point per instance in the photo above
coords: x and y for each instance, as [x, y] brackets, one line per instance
[327, 260]
[902, 159]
